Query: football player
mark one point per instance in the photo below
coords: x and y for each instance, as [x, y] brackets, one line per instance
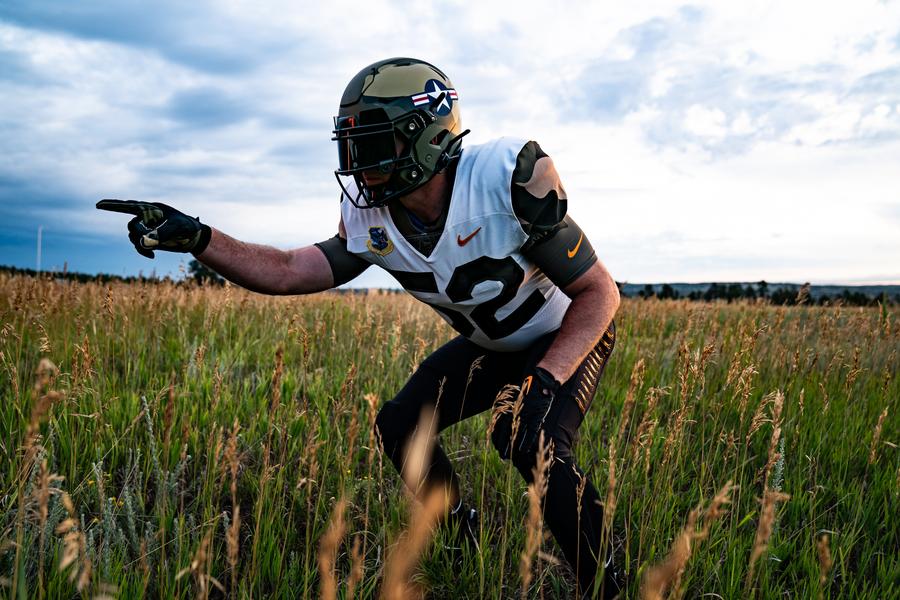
[483, 236]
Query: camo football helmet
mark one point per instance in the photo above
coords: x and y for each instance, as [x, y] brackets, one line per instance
[398, 117]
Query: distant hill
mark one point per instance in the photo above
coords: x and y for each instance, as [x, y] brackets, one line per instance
[684, 289]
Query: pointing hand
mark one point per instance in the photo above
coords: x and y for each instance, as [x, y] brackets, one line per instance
[156, 226]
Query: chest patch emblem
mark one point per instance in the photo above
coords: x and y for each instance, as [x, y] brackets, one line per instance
[378, 242]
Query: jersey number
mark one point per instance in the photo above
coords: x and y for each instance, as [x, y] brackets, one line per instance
[463, 281]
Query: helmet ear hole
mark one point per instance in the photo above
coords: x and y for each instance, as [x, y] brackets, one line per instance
[436, 140]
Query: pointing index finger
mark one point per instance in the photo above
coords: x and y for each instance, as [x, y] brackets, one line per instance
[129, 207]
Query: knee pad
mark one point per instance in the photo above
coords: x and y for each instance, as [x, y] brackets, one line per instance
[393, 426]
[524, 464]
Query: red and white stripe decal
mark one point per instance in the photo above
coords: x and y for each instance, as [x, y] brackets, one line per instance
[424, 98]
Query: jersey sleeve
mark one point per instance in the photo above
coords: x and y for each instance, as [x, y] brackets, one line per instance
[563, 256]
[344, 264]
[538, 197]
[556, 244]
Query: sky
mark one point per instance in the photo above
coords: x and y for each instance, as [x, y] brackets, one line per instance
[726, 141]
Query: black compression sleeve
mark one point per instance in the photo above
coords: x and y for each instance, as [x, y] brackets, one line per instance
[564, 255]
[344, 264]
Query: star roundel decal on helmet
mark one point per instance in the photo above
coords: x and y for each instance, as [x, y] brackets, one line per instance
[433, 90]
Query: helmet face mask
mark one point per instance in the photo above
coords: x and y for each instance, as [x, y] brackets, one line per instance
[398, 118]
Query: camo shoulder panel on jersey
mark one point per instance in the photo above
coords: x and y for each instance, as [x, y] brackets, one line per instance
[538, 196]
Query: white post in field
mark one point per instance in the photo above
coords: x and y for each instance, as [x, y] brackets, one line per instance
[40, 229]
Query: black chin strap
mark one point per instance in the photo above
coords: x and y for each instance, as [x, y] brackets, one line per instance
[446, 158]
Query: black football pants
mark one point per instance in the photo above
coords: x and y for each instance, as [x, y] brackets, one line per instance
[450, 366]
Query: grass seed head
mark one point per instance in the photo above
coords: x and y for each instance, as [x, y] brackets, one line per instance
[765, 528]
[74, 548]
[357, 568]
[328, 548]
[199, 569]
[823, 550]
[876, 436]
[667, 574]
[537, 490]
[402, 558]
[609, 507]
[636, 381]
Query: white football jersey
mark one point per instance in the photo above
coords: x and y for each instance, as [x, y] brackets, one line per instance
[475, 277]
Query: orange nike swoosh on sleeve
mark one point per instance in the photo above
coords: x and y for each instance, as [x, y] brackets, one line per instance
[574, 250]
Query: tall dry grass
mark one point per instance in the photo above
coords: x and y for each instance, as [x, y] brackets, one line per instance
[537, 491]
[664, 580]
[402, 558]
[156, 485]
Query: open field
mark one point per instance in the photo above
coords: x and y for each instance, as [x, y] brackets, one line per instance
[205, 436]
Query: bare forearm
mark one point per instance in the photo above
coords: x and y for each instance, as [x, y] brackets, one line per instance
[589, 315]
[266, 269]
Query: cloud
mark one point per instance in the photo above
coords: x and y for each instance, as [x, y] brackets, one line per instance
[189, 33]
[167, 171]
[303, 153]
[21, 199]
[16, 68]
[883, 84]
[694, 94]
[207, 106]
[613, 86]
[890, 211]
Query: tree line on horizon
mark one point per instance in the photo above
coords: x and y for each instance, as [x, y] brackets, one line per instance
[200, 274]
[780, 296]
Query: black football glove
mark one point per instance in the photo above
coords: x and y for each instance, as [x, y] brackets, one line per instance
[156, 226]
[538, 391]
